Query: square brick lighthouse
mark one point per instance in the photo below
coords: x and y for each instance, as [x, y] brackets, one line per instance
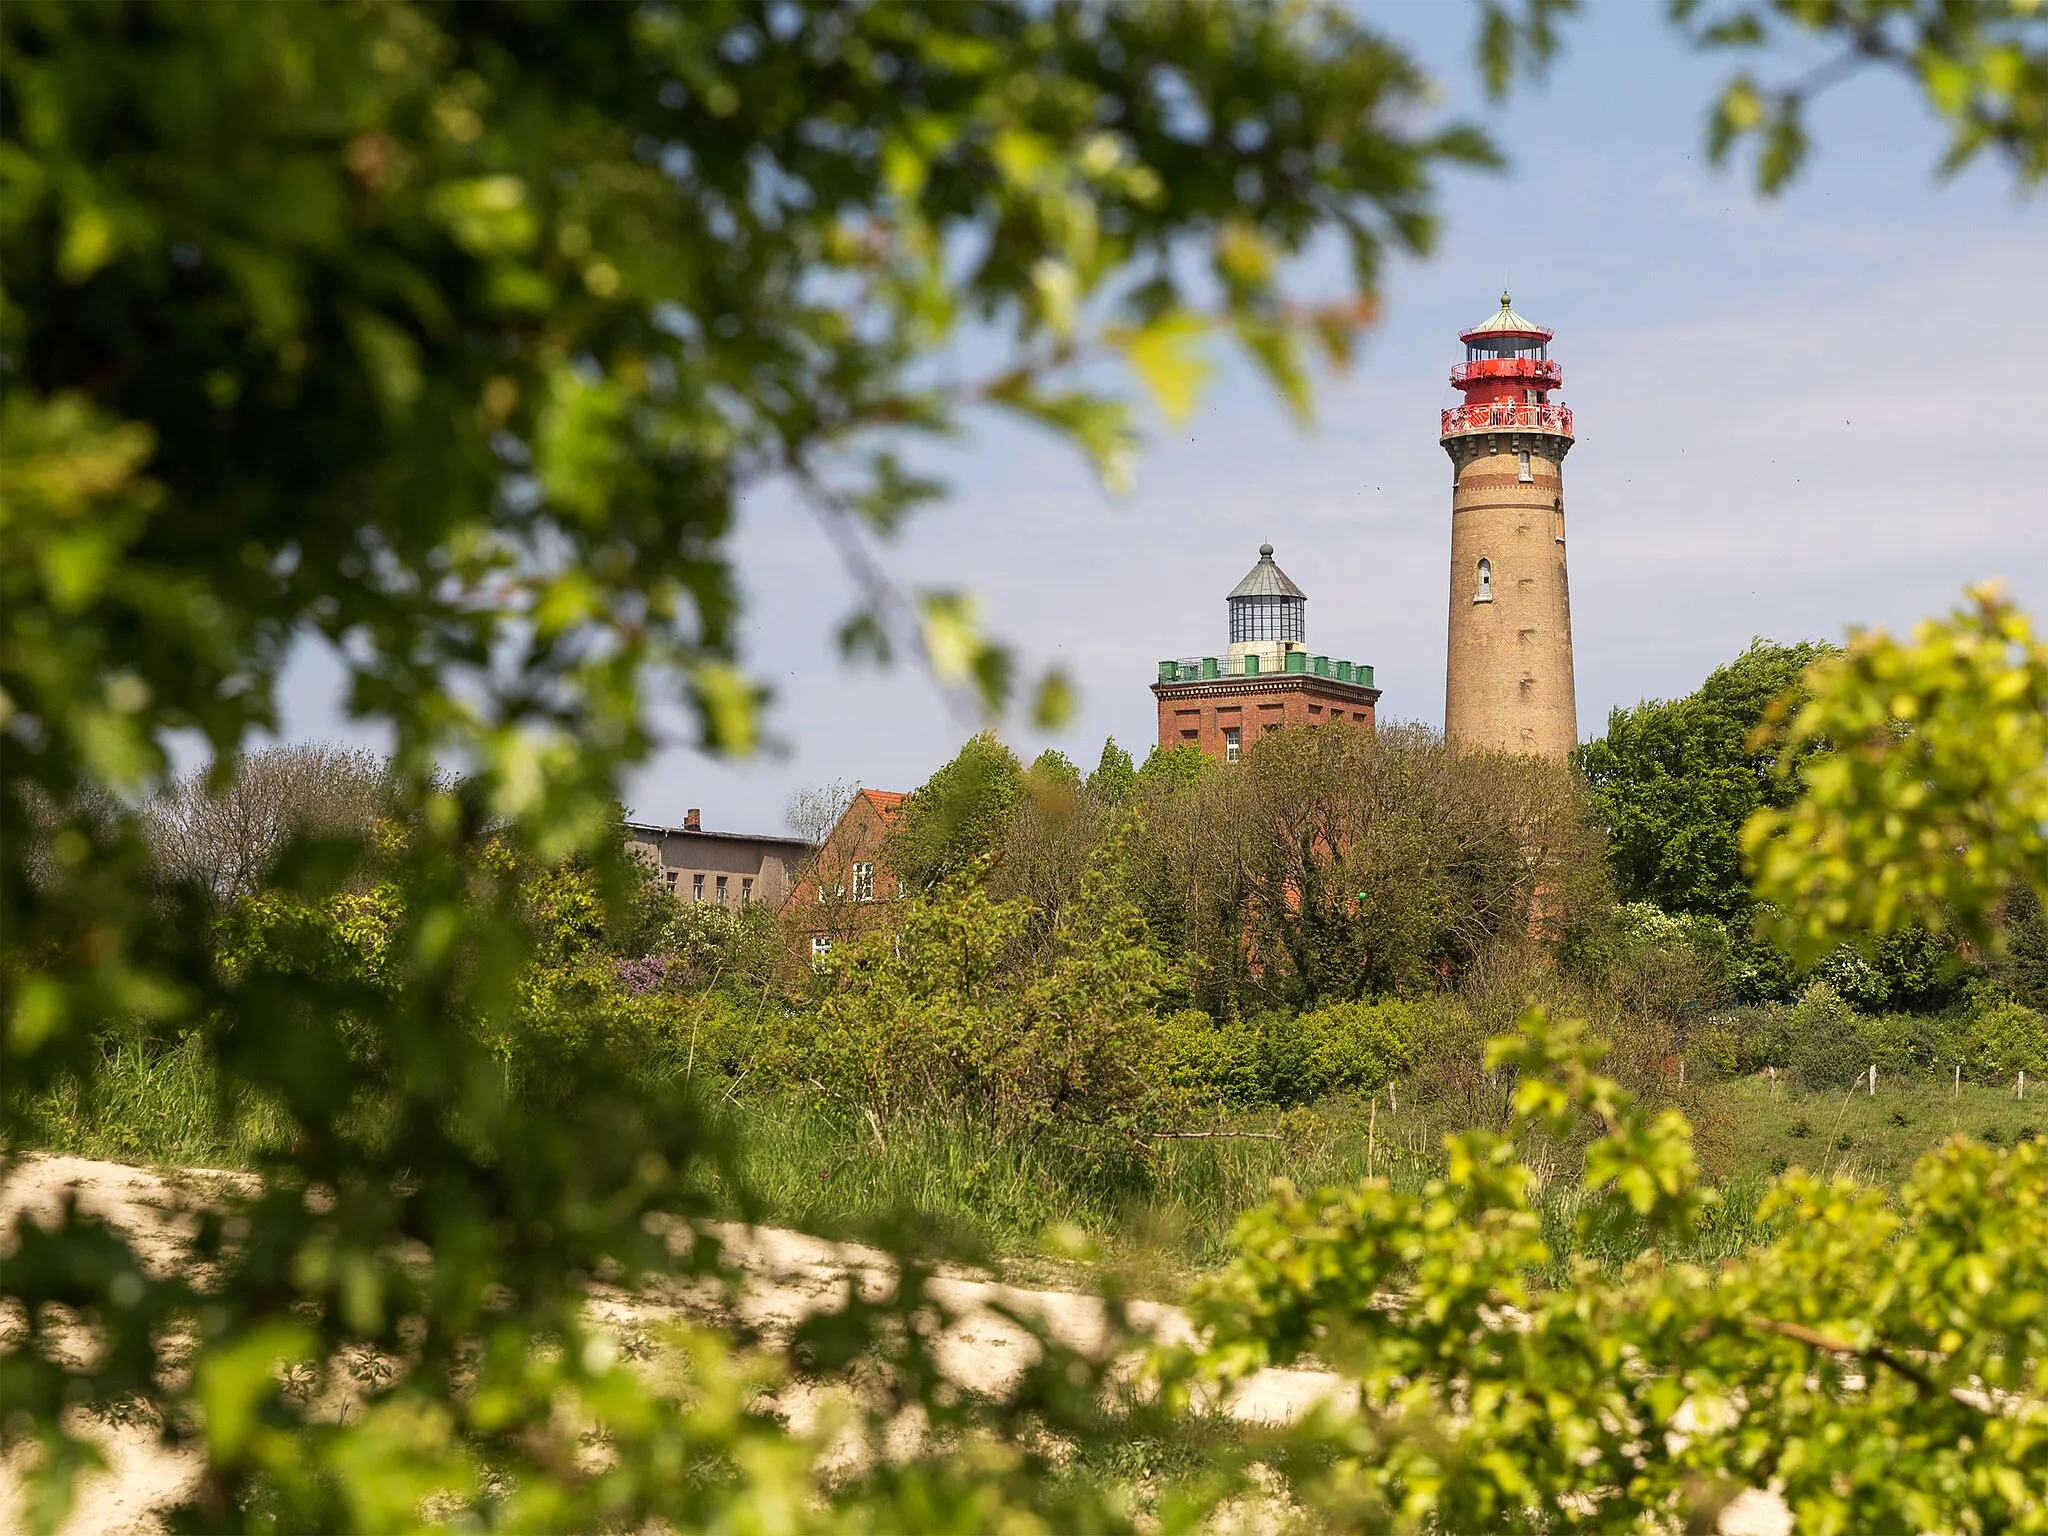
[1268, 679]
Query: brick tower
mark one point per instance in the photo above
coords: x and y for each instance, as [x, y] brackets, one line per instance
[1508, 670]
[1265, 680]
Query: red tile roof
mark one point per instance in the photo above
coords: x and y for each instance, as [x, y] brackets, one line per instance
[888, 803]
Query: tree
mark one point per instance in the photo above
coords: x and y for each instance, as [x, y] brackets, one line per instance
[1053, 773]
[1838, 1359]
[1674, 781]
[1933, 807]
[956, 817]
[1115, 777]
[225, 835]
[1972, 60]
[1169, 768]
[1333, 863]
[450, 338]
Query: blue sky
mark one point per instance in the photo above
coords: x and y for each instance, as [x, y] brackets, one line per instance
[1792, 417]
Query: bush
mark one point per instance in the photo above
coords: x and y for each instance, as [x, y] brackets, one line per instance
[1824, 1047]
[2003, 1038]
[1356, 1047]
[1280, 1059]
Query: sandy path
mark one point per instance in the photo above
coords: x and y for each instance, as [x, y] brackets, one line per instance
[790, 1276]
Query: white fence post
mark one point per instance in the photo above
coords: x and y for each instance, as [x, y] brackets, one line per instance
[1873, 1079]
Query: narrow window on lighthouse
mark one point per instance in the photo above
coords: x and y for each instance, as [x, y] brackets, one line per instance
[1557, 508]
[1485, 582]
[1525, 476]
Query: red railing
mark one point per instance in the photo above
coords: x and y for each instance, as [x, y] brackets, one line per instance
[1544, 372]
[1505, 416]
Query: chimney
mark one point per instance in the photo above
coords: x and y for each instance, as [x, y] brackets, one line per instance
[692, 820]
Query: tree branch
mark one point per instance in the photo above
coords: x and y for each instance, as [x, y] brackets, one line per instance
[1211, 1136]
[1875, 1354]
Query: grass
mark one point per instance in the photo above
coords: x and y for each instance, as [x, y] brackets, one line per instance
[805, 1166]
[158, 1104]
[1743, 1130]
[1164, 1215]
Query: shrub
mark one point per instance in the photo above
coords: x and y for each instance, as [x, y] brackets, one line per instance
[1280, 1059]
[1824, 1047]
[2003, 1038]
[1356, 1047]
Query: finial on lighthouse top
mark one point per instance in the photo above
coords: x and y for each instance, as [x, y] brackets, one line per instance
[1266, 580]
[1506, 323]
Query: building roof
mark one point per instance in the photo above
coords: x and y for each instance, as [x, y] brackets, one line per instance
[662, 829]
[888, 803]
[1267, 580]
[1506, 323]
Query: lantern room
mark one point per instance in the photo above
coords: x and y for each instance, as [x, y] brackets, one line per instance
[1507, 360]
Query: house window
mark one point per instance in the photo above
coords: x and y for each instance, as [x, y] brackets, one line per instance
[820, 948]
[863, 882]
[1525, 477]
[696, 887]
[721, 890]
[1233, 739]
[671, 878]
[746, 893]
[1485, 582]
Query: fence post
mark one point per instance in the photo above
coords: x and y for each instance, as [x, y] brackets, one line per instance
[1873, 1079]
[1393, 1104]
[1959, 1080]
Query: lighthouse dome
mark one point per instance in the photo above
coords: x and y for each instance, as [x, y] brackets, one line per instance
[1505, 330]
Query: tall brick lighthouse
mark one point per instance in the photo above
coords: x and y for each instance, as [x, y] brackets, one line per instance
[1508, 671]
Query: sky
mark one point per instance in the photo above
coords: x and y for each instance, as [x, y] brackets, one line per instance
[1792, 417]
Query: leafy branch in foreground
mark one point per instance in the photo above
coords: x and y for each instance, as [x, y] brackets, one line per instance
[1933, 803]
[1878, 1362]
[1981, 64]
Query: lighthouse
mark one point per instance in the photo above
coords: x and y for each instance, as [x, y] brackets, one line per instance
[1508, 667]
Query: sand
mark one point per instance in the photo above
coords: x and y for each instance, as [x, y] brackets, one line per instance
[789, 1277]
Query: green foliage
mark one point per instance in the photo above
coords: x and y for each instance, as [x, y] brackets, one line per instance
[1877, 1361]
[2020, 965]
[1330, 864]
[155, 1101]
[1674, 781]
[1169, 768]
[957, 817]
[1115, 778]
[1934, 804]
[1981, 65]
[944, 1011]
[2004, 1038]
[1281, 1060]
[1054, 773]
[451, 337]
[1824, 1046]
